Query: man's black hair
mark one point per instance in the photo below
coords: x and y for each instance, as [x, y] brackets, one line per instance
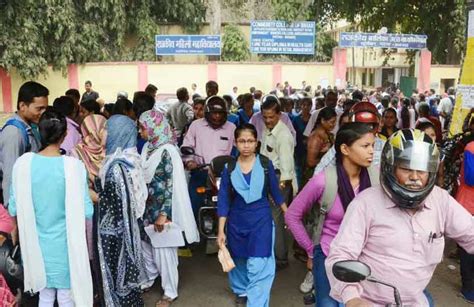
[28, 91]
[271, 102]
[182, 94]
[65, 105]
[88, 82]
[151, 89]
[91, 106]
[74, 93]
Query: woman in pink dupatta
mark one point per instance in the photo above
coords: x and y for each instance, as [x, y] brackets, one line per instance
[91, 151]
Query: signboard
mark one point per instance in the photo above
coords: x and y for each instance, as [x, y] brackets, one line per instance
[375, 40]
[465, 93]
[281, 37]
[465, 88]
[187, 44]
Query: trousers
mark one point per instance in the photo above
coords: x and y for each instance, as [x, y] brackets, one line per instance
[164, 262]
[47, 297]
[253, 277]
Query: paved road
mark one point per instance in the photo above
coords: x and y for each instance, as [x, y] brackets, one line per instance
[202, 284]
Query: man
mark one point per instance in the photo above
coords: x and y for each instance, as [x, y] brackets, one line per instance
[398, 228]
[278, 145]
[210, 137]
[65, 106]
[180, 113]
[89, 94]
[212, 88]
[195, 90]
[258, 121]
[19, 135]
[234, 93]
[257, 96]
[445, 109]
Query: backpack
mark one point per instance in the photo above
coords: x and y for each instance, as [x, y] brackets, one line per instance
[469, 164]
[23, 129]
[231, 166]
[329, 196]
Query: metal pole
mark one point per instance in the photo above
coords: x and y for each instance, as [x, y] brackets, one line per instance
[353, 68]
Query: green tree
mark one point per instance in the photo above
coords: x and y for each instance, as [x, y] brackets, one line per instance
[443, 21]
[36, 33]
[234, 45]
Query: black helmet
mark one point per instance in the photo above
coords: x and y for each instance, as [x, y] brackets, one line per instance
[215, 104]
[411, 149]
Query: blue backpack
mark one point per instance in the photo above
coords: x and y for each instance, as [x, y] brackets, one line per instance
[23, 129]
[469, 165]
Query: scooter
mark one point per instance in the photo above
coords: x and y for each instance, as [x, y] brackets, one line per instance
[208, 221]
[356, 271]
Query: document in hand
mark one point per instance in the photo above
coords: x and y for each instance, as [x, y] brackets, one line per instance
[171, 236]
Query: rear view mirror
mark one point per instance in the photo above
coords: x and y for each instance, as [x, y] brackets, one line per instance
[188, 151]
[351, 271]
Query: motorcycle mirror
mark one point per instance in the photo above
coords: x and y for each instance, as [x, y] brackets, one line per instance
[351, 271]
[186, 150]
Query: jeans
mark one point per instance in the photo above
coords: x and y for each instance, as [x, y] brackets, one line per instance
[467, 271]
[321, 282]
[322, 286]
[281, 234]
[198, 179]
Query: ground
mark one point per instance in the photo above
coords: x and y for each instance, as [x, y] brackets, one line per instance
[202, 284]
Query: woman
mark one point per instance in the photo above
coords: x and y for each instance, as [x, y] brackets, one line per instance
[320, 140]
[299, 122]
[49, 197]
[354, 154]
[406, 115]
[88, 107]
[390, 120]
[164, 173]
[243, 205]
[91, 151]
[123, 193]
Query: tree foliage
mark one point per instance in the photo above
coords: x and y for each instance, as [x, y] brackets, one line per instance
[57, 32]
[443, 21]
[234, 45]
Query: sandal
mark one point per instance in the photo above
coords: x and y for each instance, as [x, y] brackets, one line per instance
[164, 302]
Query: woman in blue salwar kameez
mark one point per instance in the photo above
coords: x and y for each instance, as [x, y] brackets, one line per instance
[243, 205]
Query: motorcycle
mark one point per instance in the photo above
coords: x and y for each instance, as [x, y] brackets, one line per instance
[355, 271]
[208, 221]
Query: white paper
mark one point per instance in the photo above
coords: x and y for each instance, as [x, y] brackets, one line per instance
[171, 236]
[467, 95]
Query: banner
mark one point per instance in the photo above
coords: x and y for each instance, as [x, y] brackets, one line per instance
[465, 88]
[375, 40]
[280, 37]
[187, 44]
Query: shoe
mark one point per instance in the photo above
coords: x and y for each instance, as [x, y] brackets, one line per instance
[307, 284]
[468, 296]
[240, 301]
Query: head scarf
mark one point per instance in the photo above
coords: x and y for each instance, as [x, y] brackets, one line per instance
[121, 146]
[91, 149]
[121, 133]
[158, 128]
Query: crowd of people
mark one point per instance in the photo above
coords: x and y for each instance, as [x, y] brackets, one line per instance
[100, 198]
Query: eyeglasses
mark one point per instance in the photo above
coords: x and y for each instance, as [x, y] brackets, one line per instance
[243, 142]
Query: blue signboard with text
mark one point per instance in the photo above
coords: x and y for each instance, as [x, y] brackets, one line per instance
[281, 37]
[376, 40]
[188, 44]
